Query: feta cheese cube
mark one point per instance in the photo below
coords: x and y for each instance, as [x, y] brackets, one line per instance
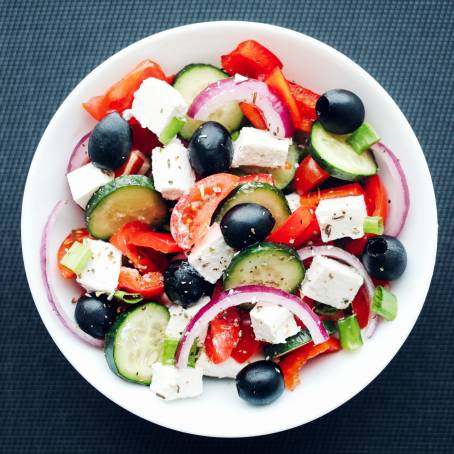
[172, 173]
[331, 282]
[85, 181]
[273, 324]
[211, 255]
[341, 217]
[156, 104]
[294, 201]
[102, 271]
[170, 383]
[227, 369]
[180, 317]
[255, 147]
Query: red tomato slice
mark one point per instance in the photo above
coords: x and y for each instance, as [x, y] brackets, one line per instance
[361, 307]
[250, 59]
[279, 85]
[192, 214]
[299, 227]
[162, 242]
[149, 285]
[308, 176]
[223, 334]
[120, 95]
[259, 177]
[73, 237]
[254, 115]
[247, 344]
[293, 362]
[312, 199]
[139, 259]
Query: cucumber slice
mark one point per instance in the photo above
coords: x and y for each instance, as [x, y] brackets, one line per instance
[282, 175]
[261, 193]
[190, 81]
[271, 264]
[292, 343]
[127, 198]
[338, 158]
[134, 342]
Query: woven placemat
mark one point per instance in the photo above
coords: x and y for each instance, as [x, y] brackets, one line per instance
[46, 47]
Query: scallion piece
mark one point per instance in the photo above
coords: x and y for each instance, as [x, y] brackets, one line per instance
[128, 298]
[77, 257]
[235, 135]
[384, 303]
[374, 224]
[363, 138]
[169, 349]
[349, 333]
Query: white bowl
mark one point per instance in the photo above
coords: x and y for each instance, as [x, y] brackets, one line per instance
[219, 412]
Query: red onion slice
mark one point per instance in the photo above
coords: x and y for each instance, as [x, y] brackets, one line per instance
[248, 294]
[70, 324]
[241, 89]
[79, 156]
[395, 182]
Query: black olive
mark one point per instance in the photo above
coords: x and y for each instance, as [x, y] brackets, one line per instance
[94, 315]
[340, 111]
[184, 285]
[246, 224]
[260, 383]
[110, 142]
[384, 257]
[210, 149]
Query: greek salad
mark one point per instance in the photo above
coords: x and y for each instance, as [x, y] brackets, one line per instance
[237, 225]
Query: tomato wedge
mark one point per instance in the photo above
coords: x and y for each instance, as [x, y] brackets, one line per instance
[292, 363]
[254, 115]
[73, 237]
[259, 177]
[223, 335]
[120, 95]
[247, 344]
[279, 85]
[312, 199]
[250, 59]
[299, 227]
[149, 285]
[308, 176]
[144, 260]
[192, 214]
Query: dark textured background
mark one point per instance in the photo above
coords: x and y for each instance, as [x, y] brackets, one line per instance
[47, 47]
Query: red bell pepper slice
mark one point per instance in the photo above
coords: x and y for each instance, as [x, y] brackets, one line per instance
[120, 95]
[247, 344]
[250, 59]
[149, 285]
[292, 363]
[223, 335]
[306, 101]
[258, 177]
[158, 241]
[312, 199]
[361, 307]
[142, 138]
[74, 236]
[308, 176]
[279, 85]
[299, 227]
[254, 115]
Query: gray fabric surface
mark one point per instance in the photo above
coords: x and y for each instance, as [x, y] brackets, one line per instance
[47, 47]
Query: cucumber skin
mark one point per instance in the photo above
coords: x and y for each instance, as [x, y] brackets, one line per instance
[224, 207]
[191, 66]
[123, 181]
[258, 249]
[327, 167]
[109, 344]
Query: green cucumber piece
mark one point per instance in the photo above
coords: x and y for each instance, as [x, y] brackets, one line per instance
[270, 264]
[282, 175]
[127, 198]
[292, 343]
[194, 78]
[134, 342]
[338, 158]
[261, 193]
